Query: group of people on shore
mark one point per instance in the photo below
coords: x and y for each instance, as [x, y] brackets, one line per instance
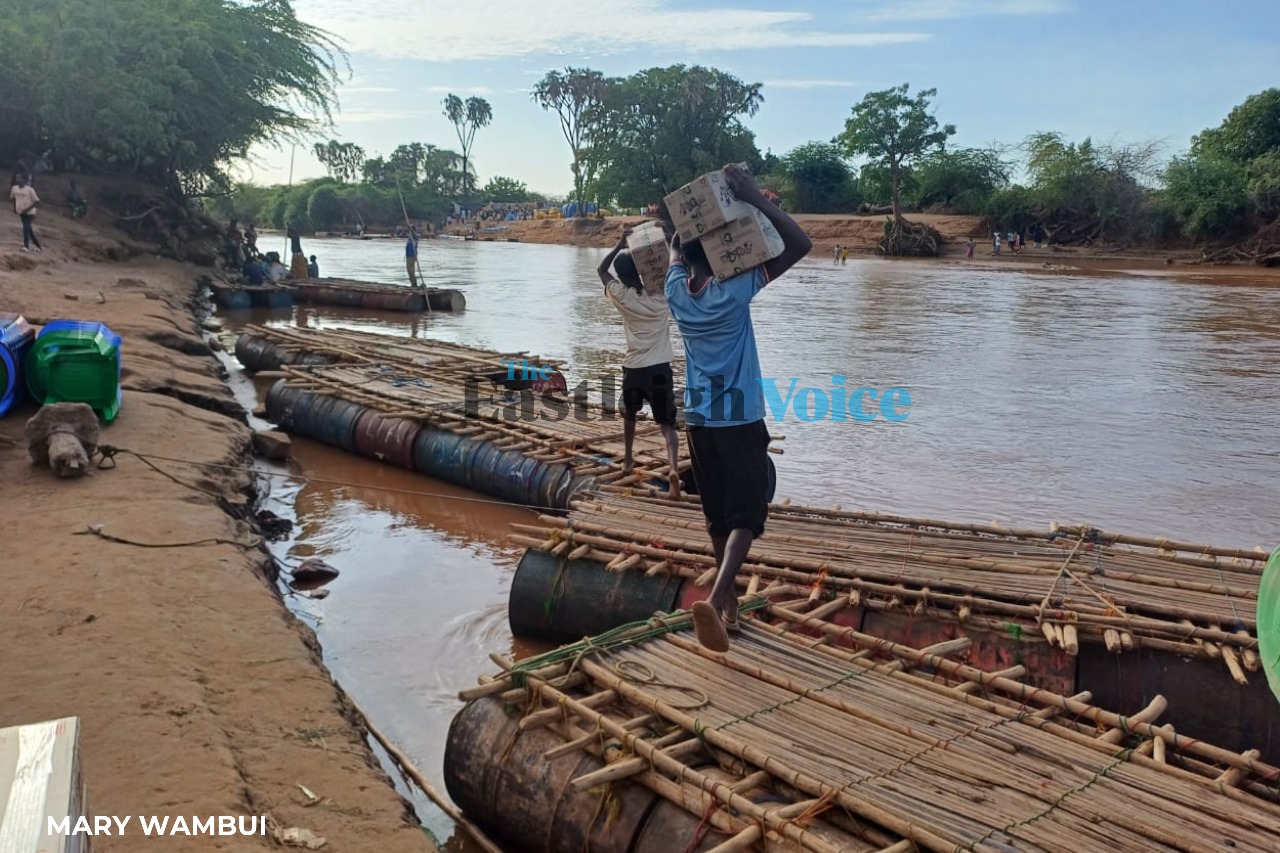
[724, 411]
[258, 267]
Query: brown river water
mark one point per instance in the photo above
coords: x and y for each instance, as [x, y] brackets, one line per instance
[1138, 403]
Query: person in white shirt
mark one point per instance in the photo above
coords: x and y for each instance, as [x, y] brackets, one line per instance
[646, 369]
[24, 204]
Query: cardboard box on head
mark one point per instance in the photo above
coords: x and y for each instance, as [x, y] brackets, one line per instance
[741, 245]
[703, 205]
[648, 246]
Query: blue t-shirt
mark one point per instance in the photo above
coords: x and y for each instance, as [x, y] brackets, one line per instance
[255, 273]
[722, 387]
[411, 248]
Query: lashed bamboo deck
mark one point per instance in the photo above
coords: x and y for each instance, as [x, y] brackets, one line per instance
[460, 389]
[1071, 585]
[825, 749]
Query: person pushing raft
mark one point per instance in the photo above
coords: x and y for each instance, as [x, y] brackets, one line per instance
[646, 369]
[724, 400]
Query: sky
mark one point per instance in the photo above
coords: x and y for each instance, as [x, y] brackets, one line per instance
[1115, 70]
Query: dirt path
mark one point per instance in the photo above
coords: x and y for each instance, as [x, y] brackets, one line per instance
[199, 693]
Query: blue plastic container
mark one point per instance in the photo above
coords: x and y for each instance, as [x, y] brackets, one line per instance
[16, 337]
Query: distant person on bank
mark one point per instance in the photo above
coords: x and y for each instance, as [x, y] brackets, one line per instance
[75, 201]
[251, 240]
[411, 257]
[646, 368]
[298, 264]
[724, 400]
[24, 204]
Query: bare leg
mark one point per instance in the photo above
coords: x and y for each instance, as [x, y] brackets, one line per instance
[673, 460]
[731, 553]
[628, 438]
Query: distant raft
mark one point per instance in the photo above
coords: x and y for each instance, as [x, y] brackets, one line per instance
[380, 297]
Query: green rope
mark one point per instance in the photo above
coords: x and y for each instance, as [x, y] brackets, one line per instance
[617, 638]
[769, 709]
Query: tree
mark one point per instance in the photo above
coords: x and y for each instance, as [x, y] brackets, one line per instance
[342, 160]
[893, 130]
[325, 209]
[1087, 192]
[467, 117]
[577, 97]
[501, 188]
[1208, 195]
[209, 81]
[1249, 131]
[820, 180]
[663, 127]
[960, 181]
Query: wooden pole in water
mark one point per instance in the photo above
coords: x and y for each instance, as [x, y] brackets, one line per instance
[293, 149]
[406, 765]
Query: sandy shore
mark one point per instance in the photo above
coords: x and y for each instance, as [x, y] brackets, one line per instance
[860, 233]
[199, 693]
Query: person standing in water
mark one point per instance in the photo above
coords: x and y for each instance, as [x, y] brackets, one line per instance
[724, 400]
[24, 204]
[313, 268]
[969, 247]
[298, 264]
[411, 257]
[646, 368]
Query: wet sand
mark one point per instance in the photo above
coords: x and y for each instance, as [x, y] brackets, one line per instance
[198, 691]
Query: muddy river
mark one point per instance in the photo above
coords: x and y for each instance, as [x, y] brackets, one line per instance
[1141, 404]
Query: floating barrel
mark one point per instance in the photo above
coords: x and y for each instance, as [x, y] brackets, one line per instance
[232, 297]
[445, 455]
[560, 600]
[446, 300]
[500, 780]
[316, 416]
[258, 353]
[388, 439]
[270, 297]
[331, 420]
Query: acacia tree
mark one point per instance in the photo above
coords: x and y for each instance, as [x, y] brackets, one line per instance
[663, 127]
[342, 160]
[892, 130]
[467, 117]
[577, 98]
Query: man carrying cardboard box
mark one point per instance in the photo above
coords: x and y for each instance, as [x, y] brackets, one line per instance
[724, 399]
[646, 369]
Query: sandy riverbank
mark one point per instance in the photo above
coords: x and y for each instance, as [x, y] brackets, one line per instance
[860, 234]
[199, 693]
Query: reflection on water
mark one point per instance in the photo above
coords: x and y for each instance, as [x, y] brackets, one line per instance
[1142, 404]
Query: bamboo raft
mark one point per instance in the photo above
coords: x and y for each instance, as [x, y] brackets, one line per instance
[293, 345]
[386, 297]
[1070, 585]
[812, 736]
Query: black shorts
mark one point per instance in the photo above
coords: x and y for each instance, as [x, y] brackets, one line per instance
[654, 385]
[734, 476]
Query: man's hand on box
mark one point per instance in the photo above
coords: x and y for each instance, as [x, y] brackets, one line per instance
[741, 182]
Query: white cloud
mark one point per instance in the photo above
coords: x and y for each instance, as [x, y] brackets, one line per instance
[375, 116]
[881, 11]
[348, 89]
[490, 29]
[812, 84]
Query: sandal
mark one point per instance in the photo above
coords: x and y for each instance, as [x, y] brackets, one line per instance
[708, 628]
